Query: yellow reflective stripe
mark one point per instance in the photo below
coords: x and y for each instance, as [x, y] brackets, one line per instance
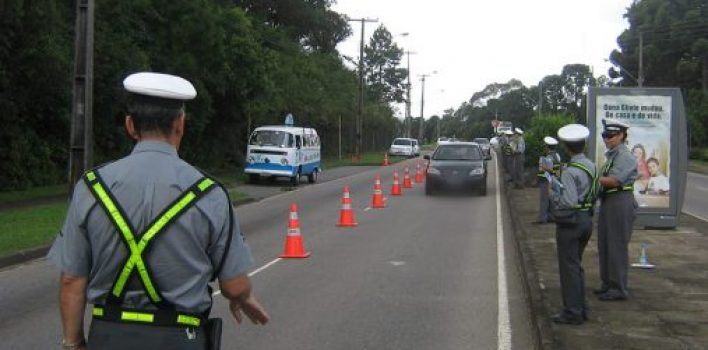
[91, 176]
[137, 317]
[188, 320]
[206, 183]
[98, 311]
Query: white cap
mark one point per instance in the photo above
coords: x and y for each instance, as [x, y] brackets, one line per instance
[519, 131]
[550, 141]
[160, 85]
[509, 132]
[573, 133]
[614, 125]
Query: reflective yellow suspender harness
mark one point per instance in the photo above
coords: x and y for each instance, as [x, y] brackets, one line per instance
[605, 171]
[589, 201]
[166, 314]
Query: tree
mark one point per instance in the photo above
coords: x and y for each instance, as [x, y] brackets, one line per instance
[381, 60]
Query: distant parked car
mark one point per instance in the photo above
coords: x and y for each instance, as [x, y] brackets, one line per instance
[485, 145]
[404, 147]
[456, 167]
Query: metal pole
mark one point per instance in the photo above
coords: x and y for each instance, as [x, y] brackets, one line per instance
[360, 110]
[81, 137]
[408, 98]
[340, 137]
[640, 80]
[422, 102]
[540, 98]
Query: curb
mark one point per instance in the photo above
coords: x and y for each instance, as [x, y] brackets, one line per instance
[541, 321]
[40, 252]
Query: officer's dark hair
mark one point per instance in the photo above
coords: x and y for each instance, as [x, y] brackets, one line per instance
[153, 114]
[653, 160]
[575, 147]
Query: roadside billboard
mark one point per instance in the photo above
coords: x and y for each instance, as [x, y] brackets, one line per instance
[658, 139]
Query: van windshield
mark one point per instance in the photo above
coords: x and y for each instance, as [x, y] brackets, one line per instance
[273, 138]
[400, 142]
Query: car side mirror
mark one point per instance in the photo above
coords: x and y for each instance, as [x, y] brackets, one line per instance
[427, 157]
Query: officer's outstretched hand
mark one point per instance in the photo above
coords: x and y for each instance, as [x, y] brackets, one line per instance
[251, 308]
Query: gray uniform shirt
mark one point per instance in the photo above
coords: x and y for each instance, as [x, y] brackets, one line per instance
[624, 165]
[576, 183]
[182, 258]
[520, 145]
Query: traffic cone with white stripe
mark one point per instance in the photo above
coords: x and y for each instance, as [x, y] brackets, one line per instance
[346, 215]
[293, 242]
[378, 201]
[407, 183]
[385, 162]
[419, 178]
[396, 188]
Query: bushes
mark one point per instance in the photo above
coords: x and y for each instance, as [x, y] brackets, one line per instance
[542, 126]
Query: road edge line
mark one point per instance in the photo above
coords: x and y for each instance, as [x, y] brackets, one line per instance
[503, 324]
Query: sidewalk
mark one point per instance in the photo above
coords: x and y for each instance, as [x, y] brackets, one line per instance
[668, 306]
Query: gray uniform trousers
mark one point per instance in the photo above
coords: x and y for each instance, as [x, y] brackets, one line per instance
[614, 230]
[571, 240]
[519, 170]
[508, 167]
[105, 335]
[544, 201]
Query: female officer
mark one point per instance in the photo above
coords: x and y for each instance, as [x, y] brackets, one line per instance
[617, 212]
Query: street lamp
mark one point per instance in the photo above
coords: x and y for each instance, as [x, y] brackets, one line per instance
[638, 81]
[422, 102]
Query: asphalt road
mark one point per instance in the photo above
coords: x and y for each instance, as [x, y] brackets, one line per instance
[696, 201]
[419, 274]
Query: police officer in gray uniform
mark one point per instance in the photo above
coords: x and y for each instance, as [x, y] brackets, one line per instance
[617, 212]
[573, 198]
[144, 236]
[519, 147]
[550, 163]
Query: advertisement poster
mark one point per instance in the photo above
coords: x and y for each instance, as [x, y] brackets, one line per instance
[649, 120]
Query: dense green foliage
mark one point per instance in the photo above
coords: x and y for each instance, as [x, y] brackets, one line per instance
[251, 62]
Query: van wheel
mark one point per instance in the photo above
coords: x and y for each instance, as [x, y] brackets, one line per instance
[253, 178]
[295, 180]
[312, 177]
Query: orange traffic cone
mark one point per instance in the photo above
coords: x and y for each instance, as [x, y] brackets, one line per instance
[407, 183]
[419, 178]
[396, 189]
[293, 243]
[385, 162]
[346, 215]
[378, 200]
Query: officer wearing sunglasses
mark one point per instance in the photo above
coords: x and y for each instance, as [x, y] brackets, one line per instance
[617, 212]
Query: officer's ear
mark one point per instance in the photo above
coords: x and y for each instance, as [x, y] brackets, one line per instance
[130, 127]
[178, 125]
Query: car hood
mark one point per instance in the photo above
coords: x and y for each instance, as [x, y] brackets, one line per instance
[457, 164]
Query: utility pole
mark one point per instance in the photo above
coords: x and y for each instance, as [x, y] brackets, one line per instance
[360, 109]
[640, 80]
[422, 103]
[409, 119]
[81, 138]
[540, 97]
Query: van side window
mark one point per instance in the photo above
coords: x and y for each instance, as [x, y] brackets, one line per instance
[298, 141]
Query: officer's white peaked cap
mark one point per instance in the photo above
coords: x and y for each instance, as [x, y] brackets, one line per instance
[519, 131]
[160, 85]
[614, 125]
[573, 133]
[509, 132]
[550, 141]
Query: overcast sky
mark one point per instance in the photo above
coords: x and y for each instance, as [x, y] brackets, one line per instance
[472, 43]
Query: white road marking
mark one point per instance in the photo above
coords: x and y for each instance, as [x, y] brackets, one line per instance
[367, 208]
[503, 326]
[254, 272]
[696, 215]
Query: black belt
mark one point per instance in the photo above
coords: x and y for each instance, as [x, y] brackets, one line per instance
[167, 318]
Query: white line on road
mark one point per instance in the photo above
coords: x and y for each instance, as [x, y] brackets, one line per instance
[367, 208]
[696, 215]
[254, 272]
[503, 327]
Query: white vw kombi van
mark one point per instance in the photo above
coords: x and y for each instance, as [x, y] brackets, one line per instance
[283, 151]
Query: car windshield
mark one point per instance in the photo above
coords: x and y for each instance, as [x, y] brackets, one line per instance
[271, 138]
[400, 142]
[457, 152]
[481, 141]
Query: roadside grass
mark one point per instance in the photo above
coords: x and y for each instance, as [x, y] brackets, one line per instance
[34, 193]
[30, 227]
[367, 159]
[698, 166]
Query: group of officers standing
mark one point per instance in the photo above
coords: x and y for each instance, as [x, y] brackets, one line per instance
[569, 193]
[513, 149]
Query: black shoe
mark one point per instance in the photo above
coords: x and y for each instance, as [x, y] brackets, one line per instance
[601, 290]
[612, 295]
[563, 318]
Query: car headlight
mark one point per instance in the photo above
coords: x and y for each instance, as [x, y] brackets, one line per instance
[433, 171]
[477, 171]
